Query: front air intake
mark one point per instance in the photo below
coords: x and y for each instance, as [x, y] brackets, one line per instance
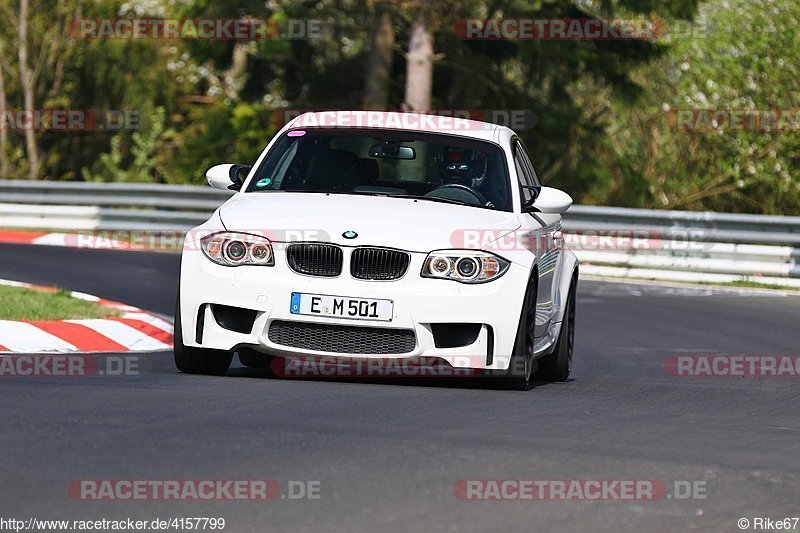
[340, 339]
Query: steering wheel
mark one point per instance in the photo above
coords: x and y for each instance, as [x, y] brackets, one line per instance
[458, 187]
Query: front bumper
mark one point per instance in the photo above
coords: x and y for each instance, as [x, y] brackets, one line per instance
[418, 303]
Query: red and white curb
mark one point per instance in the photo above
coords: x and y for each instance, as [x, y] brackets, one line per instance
[135, 330]
[67, 240]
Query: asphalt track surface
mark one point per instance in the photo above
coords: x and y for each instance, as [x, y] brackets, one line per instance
[387, 454]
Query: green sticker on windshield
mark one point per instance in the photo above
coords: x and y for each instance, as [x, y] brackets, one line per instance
[263, 182]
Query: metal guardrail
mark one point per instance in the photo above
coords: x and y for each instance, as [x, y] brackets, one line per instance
[699, 225]
[105, 206]
[718, 243]
[128, 195]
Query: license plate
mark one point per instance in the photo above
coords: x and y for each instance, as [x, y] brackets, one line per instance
[341, 307]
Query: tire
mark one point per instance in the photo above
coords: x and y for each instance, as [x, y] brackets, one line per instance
[522, 366]
[190, 360]
[558, 365]
[253, 359]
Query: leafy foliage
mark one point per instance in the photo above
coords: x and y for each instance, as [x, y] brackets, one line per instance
[143, 161]
[601, 107]
[743, 57]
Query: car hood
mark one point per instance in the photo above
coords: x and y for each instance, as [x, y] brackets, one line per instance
[407, 224]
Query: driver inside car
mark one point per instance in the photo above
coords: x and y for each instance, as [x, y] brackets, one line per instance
[466, 168]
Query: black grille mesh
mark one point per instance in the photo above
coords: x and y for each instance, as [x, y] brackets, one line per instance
[342, 339]
[323, 260]
[378, 264]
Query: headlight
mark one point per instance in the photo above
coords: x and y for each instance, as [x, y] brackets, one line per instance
[234, 249]
[466, 267]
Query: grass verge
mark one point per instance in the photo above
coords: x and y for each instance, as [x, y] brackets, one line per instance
[758, 285]
[18, 303]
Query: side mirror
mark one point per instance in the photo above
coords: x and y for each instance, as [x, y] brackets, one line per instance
[550, 200]
[535, 191]
[227, 177]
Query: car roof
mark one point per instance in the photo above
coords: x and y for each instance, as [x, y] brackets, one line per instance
[394, 120]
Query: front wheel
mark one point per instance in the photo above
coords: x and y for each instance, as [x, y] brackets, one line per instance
[558, 365]
[191, 360]
[520, 370]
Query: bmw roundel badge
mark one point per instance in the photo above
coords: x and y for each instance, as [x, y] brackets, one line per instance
[349, 234]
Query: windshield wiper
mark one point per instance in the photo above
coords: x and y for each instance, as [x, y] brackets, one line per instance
[384, 194]
[434, 199]
[417, 197]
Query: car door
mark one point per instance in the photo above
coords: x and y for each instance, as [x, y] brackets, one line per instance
[543, 237]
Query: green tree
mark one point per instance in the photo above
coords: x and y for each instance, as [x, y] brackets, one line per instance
[143, 164]
[741, 56]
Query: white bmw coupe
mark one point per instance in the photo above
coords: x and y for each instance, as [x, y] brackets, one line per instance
[392, 236]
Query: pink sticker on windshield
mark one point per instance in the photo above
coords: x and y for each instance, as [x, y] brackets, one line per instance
[296, 133]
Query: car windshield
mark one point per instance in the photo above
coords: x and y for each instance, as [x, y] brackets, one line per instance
[428, 166]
